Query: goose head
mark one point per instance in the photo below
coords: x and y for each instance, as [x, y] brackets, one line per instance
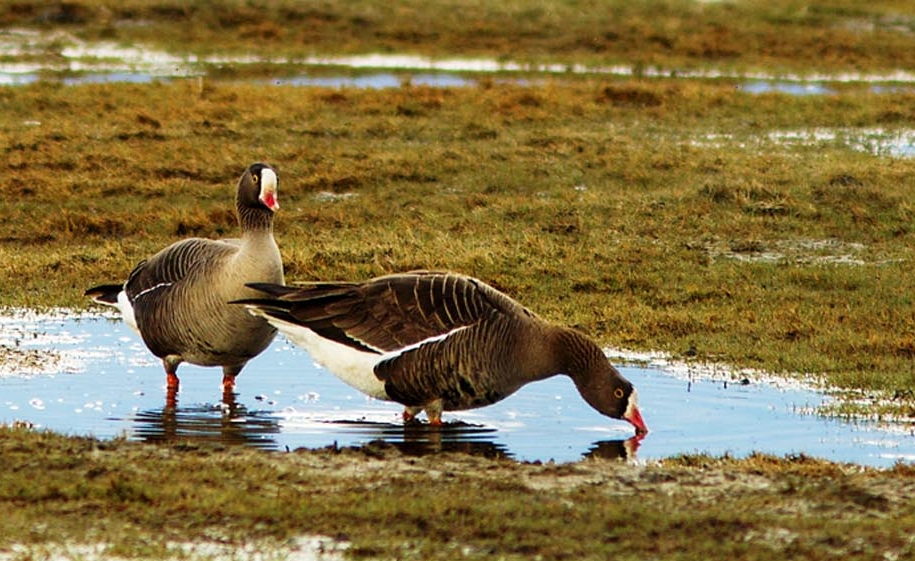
[600, 384]
[605, 389]
[258, 187]
[256, 199]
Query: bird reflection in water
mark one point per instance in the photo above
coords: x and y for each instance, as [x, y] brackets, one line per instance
[231, 423]
[420, 439]
[228, 422]
[615, 449]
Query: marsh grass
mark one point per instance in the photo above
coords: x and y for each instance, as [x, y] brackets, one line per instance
[652, 215]
[138, 499]
[779, 35]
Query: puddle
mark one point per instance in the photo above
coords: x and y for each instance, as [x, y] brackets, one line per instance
[803, 251]
[104, 383]
[790, 88]
[876, 141]
[378, 81]
[28, 56]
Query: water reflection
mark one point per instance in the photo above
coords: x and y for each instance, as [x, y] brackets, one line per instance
[378, 81]
[420, 439]
[77, 61]
[790, 88]
[224, 423]
[234, 424]
[615, 449]
[100, 380]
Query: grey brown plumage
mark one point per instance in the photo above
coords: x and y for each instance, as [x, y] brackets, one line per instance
[439, 341]
[178, 299]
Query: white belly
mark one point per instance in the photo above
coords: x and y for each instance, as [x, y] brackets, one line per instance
[355, 367]
[126, 309]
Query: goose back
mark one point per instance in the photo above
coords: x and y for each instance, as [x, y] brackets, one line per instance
[388, 313]
[437, 334]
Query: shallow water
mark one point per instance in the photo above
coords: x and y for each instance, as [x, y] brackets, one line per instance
[31, 55]
[104, 383]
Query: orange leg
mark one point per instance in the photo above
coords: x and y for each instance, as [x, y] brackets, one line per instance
[171, 380]
[410, 413]
[171, 390]
[171, 398]
[228, 390]
[229, 372]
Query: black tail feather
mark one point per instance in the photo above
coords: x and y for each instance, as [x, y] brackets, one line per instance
[275, 290]
[105, 293]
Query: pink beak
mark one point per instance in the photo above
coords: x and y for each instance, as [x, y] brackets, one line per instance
[635, 417]
[269, 200]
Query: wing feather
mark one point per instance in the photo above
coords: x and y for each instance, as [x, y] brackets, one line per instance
[388, 313]
[156, 285]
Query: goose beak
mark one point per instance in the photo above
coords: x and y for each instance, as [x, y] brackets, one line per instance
[634, 416]
[268, 190]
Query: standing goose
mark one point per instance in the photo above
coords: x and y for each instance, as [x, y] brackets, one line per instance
[178, 299]
[439, 341]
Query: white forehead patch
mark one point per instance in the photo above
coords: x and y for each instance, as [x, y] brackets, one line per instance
[268, 180]
[633, 401]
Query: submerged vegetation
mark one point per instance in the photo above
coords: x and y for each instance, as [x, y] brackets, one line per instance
[763, 231]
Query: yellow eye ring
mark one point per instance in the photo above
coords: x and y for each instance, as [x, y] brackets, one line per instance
[255, 178]
[618, 393]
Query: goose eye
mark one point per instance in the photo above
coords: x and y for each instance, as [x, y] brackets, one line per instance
[618, 393]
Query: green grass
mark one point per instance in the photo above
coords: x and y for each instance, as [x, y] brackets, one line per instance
[138, 499]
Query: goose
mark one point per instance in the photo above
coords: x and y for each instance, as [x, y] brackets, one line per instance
[178, 299]
[439, 341]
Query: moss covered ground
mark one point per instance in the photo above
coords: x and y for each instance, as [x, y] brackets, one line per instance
[765, 231]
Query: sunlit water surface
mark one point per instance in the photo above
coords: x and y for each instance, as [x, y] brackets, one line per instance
[104, 383]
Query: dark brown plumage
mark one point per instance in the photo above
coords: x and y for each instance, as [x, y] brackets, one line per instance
[439, 341]
[178, 299]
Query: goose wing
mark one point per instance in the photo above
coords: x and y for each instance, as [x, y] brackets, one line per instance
[173, 265]
[389, 313]
[158, 288]
[469, 367]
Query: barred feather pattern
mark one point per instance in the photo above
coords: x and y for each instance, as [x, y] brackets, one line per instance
[179, 297]
[473, 367]
[180, 301]
[392, 312]
[442, 336]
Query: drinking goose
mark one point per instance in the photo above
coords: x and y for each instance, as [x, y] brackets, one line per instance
[439, 341]
[178, 299]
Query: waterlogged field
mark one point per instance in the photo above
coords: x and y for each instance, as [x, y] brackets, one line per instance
[669, 216]
[620, 169]
[90, 375]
